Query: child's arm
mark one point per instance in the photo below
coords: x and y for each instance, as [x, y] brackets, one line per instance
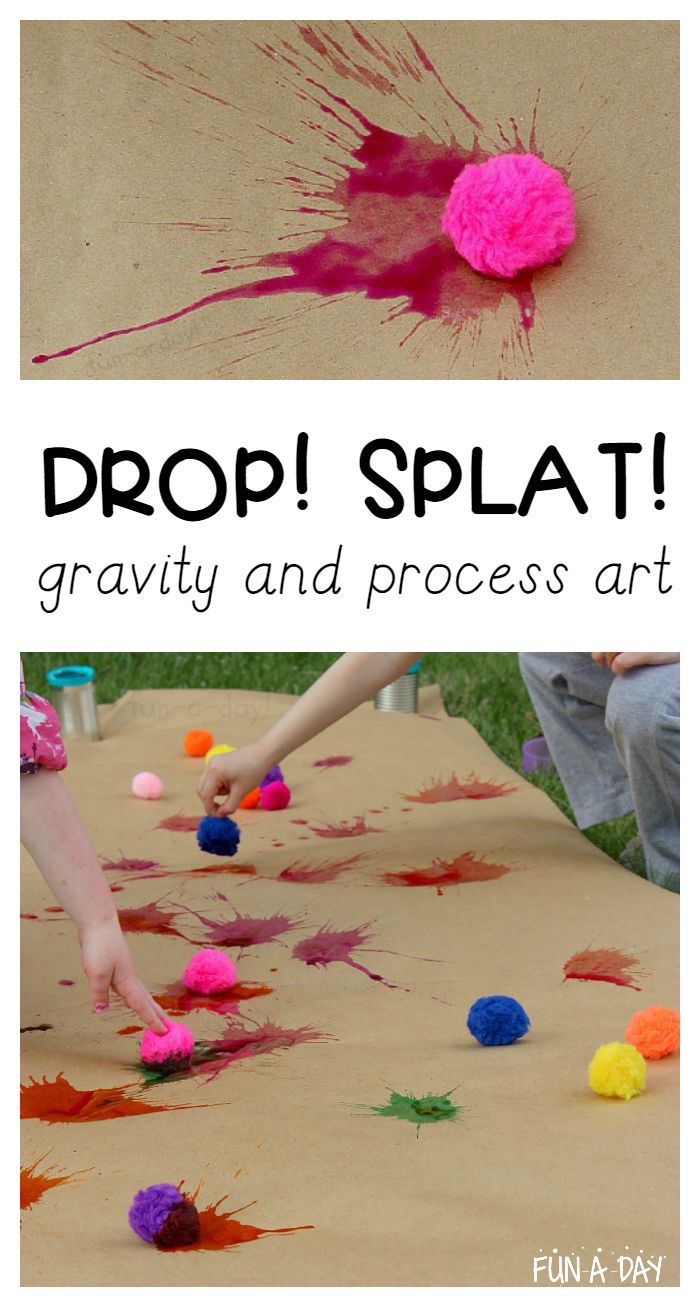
[53, 834]
[352, 679]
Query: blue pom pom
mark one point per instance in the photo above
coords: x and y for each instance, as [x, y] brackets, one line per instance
[497, 1019]
[218, 835]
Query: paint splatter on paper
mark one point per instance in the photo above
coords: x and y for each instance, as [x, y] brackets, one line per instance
[420, 1111]
[177, 1001]
[337, 760]
[463, 870]
[449, 791]
[299, 873]
[149, 920]
[219, 1230]
[344, 829]
[377, 194]
[239, 1042]
[179, 822]
[57, 1100]
[244, 932]
[33, 1183]
[610, 965]
[122, 863]
[328, 945]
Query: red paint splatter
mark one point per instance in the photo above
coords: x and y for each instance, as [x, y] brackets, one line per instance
[33, 1184]
[28, 916]
[299, 821]
[178, 822]
[329, 945]
[245, 932]
[240, 1042]
[462, 871]
[58, 1101]
[344, 829]
[130, 1030]
[148, 920]
[607, 964]
[300, 874]
[471, 788]
[176, 1000]
[66, 982]
[380, 195]
[130, 864]
[337, 760]
[220, 1230]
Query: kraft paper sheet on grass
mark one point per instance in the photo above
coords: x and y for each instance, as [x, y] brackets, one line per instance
[247, 200]
[364, 920]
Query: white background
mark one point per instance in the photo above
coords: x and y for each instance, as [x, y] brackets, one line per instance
[512, 423]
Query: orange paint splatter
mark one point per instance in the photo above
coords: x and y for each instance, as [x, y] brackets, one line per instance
[130, 1030]
[607, 964]
[58, 1101]
[33, 1184]
[220, 1231]
[149, 919]
[176, 1000]
[462, 871]
[471, 788]
[178, 822]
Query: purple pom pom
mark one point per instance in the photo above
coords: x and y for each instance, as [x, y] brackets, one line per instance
[150, 1209]
[275, 774]
[218, 835]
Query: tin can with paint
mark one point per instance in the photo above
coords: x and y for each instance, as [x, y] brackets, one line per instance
[76, 701]
[401, 695]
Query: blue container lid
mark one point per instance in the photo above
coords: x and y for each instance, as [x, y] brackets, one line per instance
[414, 669]
[61, 677]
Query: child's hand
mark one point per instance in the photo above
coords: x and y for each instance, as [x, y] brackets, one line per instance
[107, 965]
[232, 774]
[624, 662]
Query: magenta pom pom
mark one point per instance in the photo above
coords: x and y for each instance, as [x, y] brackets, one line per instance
[209, 972]
[163, 1216]
[275, 795]
[146, 785]
[510, 213]
[169, 1052]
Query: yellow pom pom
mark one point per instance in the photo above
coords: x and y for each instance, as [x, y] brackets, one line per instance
[219, 748]
[617, 1071]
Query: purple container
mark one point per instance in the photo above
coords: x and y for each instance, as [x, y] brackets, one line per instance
[536, 755]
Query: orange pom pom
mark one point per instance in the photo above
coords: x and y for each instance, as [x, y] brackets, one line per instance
[655, 1031]
[197, 743]
[251, 800]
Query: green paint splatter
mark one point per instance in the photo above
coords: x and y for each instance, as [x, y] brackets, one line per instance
[420, 1111]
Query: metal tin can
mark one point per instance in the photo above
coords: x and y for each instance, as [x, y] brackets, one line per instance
[401, 695]
[75, 700]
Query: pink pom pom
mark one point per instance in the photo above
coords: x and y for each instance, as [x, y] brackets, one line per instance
[209, 972]
[171, 1051]
[146, 785]
[512, 212]
[275, 795]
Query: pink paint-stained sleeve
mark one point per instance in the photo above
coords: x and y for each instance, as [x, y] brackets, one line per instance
[40, 742]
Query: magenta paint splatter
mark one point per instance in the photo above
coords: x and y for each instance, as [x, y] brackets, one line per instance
[244, 932]
[336, 760]
[379, 194]
[130, 864]
[66, 982]
[329, 945]
[301, 874]
[344, 829]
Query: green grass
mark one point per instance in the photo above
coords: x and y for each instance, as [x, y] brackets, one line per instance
[486, 688]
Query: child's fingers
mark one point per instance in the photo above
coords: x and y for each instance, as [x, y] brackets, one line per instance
[232, 800]
[137, 997]
[98, 984]
[211, 783]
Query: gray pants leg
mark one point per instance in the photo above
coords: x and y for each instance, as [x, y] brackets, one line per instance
[615, 741]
